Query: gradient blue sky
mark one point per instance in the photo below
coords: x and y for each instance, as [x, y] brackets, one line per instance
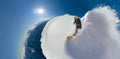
[17, 15]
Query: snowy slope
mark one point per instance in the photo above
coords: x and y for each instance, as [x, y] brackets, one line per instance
[57, 34]
[98, 39]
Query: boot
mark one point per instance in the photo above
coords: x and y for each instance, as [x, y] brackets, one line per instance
[70, 37]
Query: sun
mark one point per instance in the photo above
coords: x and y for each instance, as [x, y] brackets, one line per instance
[39, 11]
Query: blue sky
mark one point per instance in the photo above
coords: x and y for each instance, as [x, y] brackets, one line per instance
[17, 15]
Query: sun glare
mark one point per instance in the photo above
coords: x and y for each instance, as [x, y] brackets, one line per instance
[39, 11]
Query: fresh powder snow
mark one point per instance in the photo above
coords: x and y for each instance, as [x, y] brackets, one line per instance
[98, 38]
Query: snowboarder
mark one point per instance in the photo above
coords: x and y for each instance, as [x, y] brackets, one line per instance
[78, 24]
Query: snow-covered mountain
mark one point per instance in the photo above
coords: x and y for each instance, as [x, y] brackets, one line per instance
[98, 38]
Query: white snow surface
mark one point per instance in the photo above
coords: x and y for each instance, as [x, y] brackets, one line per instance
[98, 39]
